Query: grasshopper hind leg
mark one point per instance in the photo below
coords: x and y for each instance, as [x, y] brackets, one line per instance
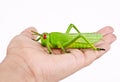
[100, 49]
[70, 27]
[80, 35]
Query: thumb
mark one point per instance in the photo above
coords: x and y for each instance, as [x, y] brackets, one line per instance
[28, 32]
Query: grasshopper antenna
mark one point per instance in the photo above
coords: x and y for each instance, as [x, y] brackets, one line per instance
[36, 33]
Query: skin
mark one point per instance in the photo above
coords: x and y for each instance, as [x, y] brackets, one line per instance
[28, 61]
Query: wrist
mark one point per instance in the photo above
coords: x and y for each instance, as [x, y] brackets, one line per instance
[14, 69]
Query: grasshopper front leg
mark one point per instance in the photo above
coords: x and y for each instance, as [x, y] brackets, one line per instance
[78, 36]
[48, 48]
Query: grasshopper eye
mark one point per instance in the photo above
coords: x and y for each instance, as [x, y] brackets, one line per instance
[44, 36]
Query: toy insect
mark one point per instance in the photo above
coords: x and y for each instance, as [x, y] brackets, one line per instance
[69, 40]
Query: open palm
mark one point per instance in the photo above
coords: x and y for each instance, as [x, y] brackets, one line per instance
[43, 67]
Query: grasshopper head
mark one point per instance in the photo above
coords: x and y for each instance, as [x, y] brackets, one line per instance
[44, 37]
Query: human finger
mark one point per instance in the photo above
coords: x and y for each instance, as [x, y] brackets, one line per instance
[106, 30]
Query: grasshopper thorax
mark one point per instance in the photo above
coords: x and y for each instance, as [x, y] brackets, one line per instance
[45, 38]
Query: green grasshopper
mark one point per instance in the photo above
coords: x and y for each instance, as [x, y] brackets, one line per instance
[69, 40]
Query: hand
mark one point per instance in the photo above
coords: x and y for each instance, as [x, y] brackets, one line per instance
[30, 61]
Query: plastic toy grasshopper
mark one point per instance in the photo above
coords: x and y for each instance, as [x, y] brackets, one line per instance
[69, 40]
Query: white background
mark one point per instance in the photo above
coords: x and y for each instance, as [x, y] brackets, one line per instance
[56, 15]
